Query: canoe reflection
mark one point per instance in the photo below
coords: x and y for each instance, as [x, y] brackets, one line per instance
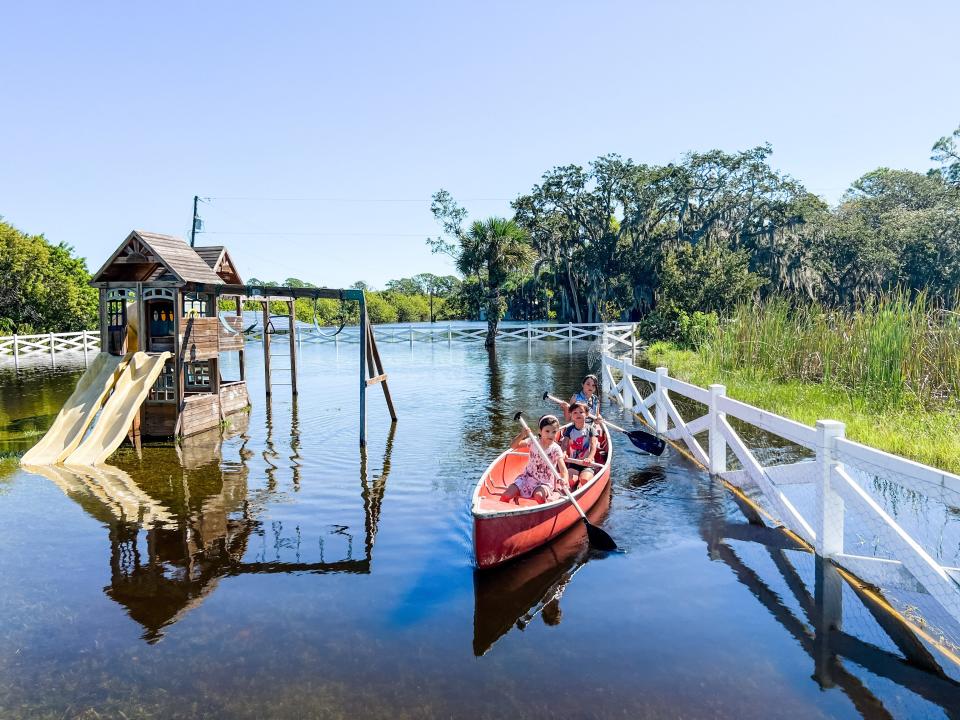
[174, 534]
[514, 594]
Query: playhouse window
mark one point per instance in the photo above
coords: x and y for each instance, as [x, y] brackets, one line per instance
[198, 374]
[163, 388]
[116, 313]
[194, 305]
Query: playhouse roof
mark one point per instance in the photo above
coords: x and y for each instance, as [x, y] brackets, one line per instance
[219, 260]
[146, 256]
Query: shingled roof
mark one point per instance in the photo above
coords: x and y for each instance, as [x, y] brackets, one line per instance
[146, 256]
[219, 260]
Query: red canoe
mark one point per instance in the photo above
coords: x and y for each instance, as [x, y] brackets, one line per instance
[502, 531]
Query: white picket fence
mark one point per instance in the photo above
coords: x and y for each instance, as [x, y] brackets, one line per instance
[891, 522]
[18, 346]
[623, 333]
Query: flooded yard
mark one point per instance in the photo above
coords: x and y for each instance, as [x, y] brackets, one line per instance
[275, 570]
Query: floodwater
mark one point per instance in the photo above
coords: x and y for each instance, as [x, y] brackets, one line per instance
[279, 571]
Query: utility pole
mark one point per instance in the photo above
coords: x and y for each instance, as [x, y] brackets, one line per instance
[196, 218]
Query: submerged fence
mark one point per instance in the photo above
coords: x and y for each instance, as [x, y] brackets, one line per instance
[17, 346]
[889, 521]
[449, 332]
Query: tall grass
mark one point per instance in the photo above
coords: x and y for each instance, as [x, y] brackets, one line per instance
[892, 350]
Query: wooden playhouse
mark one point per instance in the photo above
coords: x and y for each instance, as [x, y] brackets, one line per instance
[158, 294]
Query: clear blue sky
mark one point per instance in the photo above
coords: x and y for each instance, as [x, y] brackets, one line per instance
[116, 114]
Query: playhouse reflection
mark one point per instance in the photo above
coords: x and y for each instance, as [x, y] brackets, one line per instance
[174, 534]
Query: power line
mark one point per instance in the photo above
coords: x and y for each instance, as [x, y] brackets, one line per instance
[349, 200]
[318, 234]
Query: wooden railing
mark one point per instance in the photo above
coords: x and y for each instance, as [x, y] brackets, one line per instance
[892, 522]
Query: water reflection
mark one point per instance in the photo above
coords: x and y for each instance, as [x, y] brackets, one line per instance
[819, 628]
[512, 595]
[173, 539]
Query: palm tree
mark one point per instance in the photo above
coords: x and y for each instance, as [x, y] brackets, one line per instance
[493, 249]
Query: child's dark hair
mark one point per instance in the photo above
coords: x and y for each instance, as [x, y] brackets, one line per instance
[577, 406]
[593, 377]
[548, 420]
[551, 612]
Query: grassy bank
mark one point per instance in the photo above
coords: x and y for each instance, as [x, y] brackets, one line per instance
[890, 370]
[927, 435]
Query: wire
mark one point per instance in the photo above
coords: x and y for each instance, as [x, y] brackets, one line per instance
[351, 200]
[313, 234]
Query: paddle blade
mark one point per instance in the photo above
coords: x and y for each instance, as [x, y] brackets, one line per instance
[598, 538]
[647, 442]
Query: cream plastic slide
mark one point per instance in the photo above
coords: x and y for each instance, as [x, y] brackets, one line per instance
[74, 417]
[110, 488]
[128, 395]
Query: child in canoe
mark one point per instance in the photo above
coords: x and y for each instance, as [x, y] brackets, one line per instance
[586, 395]
[537, 481]
[580, 442]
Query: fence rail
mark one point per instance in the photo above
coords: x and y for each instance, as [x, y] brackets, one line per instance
[18, 346]
[892, 522]
[621, 333]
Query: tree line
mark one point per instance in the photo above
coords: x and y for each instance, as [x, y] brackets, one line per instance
[666, 245]
[43, 286]
[625, 240]
[422, 298]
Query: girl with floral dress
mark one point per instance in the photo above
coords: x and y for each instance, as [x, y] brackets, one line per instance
[537, 481]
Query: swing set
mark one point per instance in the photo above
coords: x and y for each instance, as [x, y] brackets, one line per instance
[371, 366]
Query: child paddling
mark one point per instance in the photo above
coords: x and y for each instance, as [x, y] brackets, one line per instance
[537, 481]
[586, 395]
[580, 442]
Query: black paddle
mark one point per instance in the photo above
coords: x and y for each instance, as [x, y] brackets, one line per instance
[642, 440]
[597, 537]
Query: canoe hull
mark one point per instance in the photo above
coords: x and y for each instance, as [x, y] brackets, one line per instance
[501, 535]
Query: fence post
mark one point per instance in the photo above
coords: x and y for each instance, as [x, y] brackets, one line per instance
[449, 333]
[633, 343]
[626, 397]
[829, 510]
[661, 416]
[529, 334]
[604, 375]
[411, 335]
[718, 446]
[16, 352]
[52, 346]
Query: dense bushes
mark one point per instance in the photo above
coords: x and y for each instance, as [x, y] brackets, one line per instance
[43, 287]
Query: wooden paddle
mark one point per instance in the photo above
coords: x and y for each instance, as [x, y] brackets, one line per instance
[648, 442]
[597, 537]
